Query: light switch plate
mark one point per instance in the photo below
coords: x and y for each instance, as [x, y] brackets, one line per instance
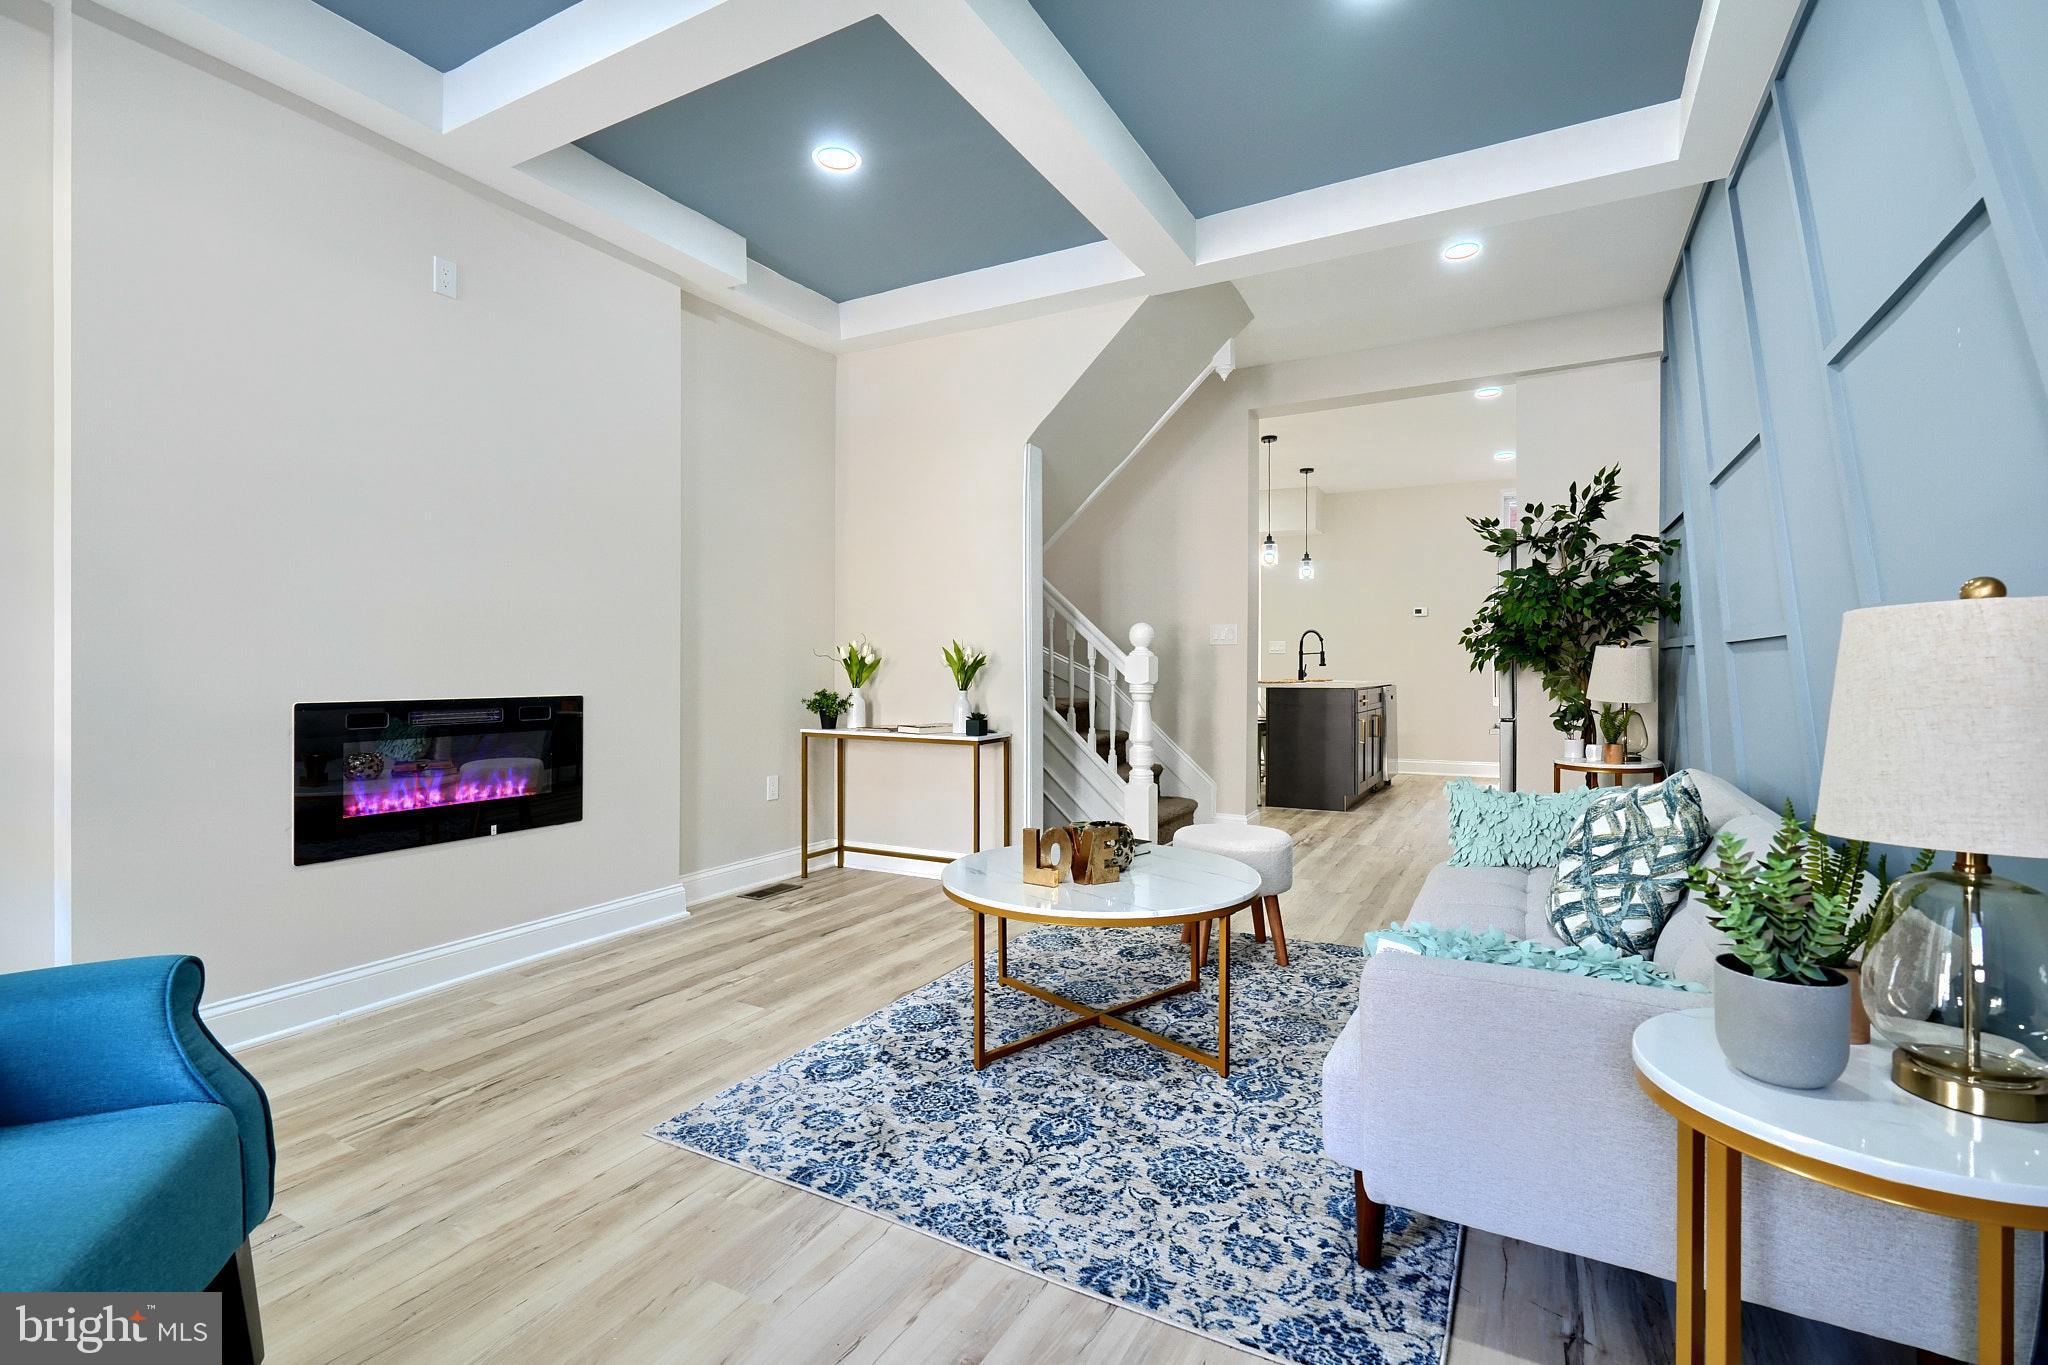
[1223, 635]
[1276, 647]
[774, 787]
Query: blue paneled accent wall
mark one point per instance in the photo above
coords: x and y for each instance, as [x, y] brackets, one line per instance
[1856, 372]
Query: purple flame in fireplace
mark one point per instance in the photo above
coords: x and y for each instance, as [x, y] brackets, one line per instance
[423, 791]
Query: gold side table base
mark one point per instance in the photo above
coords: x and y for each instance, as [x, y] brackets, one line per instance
[1709, 1298]
[1106, 1015]
[1998, 1090]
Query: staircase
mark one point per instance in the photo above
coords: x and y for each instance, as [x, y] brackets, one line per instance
[1173, 813]
[1104, 759]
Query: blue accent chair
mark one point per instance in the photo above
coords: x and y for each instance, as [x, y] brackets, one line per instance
[138, 1154]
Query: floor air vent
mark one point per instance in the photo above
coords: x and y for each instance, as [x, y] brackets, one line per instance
[762, 893]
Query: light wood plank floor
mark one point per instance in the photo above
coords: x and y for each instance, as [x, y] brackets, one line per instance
[463, 1177]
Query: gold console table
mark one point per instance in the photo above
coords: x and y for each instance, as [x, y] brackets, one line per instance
[974, 744]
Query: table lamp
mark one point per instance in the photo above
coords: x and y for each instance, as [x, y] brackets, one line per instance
[1624, 676]
[1938, 738]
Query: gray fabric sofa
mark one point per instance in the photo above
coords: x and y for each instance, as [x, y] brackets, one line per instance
[1505, 1099]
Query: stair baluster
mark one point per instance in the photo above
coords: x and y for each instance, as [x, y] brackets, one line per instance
[1141, 794]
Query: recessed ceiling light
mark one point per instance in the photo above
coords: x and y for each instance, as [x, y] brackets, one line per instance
[1503, 455]
[1461, 251]
[838, 160]
[1488, 391]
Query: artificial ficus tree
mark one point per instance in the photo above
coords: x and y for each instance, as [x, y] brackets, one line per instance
[1569, 592]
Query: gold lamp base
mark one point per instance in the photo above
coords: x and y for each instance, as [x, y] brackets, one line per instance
[1996, 1089]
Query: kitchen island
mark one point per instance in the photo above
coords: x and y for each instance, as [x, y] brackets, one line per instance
[1329, 741]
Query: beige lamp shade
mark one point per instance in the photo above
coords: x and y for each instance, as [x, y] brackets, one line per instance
[1938, 734]
[1624, 675]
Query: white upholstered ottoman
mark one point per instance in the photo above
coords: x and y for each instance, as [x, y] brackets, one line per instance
[1270, 853]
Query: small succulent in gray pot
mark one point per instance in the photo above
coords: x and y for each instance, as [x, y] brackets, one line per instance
[1781, 1011]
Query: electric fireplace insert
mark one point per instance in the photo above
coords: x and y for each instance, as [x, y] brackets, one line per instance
[373, 776]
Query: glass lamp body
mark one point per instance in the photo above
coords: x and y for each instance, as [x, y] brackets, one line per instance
[1915, 975]
[1269, 553]
[1308, 568]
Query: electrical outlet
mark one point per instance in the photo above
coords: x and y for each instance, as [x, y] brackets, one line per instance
[1223, 635]
[446, 280]
[1276, 647]
[1418, 612]
[774, 787]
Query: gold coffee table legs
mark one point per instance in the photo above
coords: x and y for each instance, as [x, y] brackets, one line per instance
[1107, 1015]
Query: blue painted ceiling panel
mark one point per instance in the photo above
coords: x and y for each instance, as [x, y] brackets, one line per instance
[938, 191]
[1239, 101]
[445, 33]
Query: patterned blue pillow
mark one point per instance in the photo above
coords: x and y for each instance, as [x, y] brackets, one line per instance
[1625, 862]
[1492, 828]
[1596, 960]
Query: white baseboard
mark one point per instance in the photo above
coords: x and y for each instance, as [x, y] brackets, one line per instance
[1446, 767]
[1227, 818]
[262, 1015]
[244, 1020]
[730, 879]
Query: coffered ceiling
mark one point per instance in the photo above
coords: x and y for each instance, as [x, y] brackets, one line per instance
[1019, 156]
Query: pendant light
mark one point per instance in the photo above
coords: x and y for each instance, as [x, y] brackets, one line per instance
[1269, 551]
[1308, 566]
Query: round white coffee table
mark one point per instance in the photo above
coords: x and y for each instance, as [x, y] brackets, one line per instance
[1163, 887]
[1862, 1134]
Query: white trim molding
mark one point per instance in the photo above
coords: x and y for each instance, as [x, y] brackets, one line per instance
[260, 1016]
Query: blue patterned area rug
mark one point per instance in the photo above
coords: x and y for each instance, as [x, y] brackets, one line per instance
[1105, 1164]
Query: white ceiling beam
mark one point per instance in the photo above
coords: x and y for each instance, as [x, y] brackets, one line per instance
[1003, 60]
[1735, 53]
[1567, 168]
[1035, 285]
[602, 61]
[573, 184]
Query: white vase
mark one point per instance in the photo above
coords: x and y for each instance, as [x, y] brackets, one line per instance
[857, 718]
[960, 712]
[1574, 749]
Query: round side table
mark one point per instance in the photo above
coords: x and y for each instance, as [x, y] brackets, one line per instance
[1862, 1134]
[1560, 766]
[1163, 887]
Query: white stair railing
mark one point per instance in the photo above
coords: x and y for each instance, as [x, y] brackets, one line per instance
[1091, 666]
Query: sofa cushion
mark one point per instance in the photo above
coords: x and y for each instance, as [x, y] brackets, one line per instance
[1625, 864]
[1491, 828]
[1594, 960]
[133, 1199]
[1480, 897]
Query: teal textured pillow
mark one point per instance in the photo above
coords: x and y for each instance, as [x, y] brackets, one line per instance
[1510, 829]
[1624, 864]
[1596, 960]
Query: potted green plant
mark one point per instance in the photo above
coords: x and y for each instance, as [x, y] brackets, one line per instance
[861, 661]
[1781, 1011]
[1613, 733]
[829, 705]
[963, 663]
[977, 723]
[1839, 869]
[1568, 593]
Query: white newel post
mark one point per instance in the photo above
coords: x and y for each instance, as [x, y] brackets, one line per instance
[1141, 796]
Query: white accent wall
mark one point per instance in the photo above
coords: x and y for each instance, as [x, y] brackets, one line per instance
[301, 475]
